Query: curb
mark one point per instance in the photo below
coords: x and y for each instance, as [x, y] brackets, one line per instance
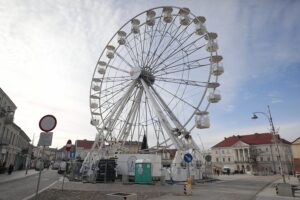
[17, 178]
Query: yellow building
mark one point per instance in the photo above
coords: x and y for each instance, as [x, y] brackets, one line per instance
[296, 155]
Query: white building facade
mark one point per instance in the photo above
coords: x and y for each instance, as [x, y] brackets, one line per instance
[14, 143]
[252, 154]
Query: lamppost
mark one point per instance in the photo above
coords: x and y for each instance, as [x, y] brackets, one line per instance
[269, 117]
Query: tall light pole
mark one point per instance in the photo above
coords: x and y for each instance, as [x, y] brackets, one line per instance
[269, 117]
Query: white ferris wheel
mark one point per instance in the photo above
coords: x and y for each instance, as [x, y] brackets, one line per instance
[156, 77]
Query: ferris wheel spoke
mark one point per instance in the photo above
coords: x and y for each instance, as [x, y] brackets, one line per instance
[179, 50]
[165, 31]
[123, 59]
[130, 53]
[152, 37]
[108, 89]
[118, 69]
[152, 119]
[182, 81]
[181, 99]
[175, 37]
[117, 109]
[167, 109]
[188, 63]
[127, 125]
[136, 50]
[142, 44]
[188, 67]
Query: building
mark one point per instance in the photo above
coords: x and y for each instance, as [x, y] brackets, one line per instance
[14, 143]
[63, 154]
[296, 155]
[82, 148]
[253, 154]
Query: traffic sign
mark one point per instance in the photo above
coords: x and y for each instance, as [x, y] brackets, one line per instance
[45, 139]
[188, 157]
[208, 158]
[47, 123]
[68, 145]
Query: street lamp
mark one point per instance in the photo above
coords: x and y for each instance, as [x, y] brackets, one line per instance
[269, 117]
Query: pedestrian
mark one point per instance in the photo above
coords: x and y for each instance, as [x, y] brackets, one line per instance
[10, 169]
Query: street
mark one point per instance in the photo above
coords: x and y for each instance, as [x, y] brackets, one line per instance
[238, 187]
[22, 188]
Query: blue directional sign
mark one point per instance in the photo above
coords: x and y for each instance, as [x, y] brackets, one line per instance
[188, 157]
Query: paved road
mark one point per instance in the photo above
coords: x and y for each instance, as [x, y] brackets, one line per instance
[244, 188]
[21, 188]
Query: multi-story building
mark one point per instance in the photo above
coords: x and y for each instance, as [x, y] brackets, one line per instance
[296, 155]
[14, 143]
[253, 154]
[82, 147]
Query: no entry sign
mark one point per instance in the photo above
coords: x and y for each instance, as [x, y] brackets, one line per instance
[68, 145]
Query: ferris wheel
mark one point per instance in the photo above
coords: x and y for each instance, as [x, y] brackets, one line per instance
[156, 77]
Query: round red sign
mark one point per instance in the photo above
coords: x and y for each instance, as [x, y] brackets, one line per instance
[68, 145]
[47, 123]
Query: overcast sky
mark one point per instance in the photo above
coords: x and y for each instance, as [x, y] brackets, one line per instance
[49, 49]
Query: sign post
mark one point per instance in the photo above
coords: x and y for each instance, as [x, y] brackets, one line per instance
[68, 149]
[187, 190]
[46, 124]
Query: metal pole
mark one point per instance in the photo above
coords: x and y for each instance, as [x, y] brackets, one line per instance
[39, 179]
[275, 141]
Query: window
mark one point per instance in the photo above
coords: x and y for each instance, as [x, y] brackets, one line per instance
[222, 151]
[223, 159]
[228, 151]
[228, 159]
[267, 149]
[217, 159]
[261, 159]
[216, 152]
[269, 159]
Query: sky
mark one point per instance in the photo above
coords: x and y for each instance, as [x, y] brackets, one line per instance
[49, 49]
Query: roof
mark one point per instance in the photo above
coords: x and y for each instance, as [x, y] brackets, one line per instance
[297, 141]
[64, 148]
[85, 144]
[253, 139]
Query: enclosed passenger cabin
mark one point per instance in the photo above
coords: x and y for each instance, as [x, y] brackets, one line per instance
[101, 67]
[121, 37]
[202, 119]
[211, 45]
[110, 51]
[184, 16]
[200, 28]
[135, 28]
[150, 21]
[167, 14]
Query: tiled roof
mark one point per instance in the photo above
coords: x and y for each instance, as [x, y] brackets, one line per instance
[253, 139]
[86, 144]
[64, 148]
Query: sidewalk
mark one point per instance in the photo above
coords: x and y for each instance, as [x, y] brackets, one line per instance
[269, 192]
[16, 175]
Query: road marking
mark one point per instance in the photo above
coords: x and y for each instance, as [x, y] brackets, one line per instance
[42, 190]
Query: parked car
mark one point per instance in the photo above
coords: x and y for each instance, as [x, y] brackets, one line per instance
[39, 165]
[55, 165]
[62, 167]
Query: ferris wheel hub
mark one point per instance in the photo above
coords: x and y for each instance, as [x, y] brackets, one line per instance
[145, 74]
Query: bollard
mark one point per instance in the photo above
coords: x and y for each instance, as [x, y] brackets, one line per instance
[187, 187]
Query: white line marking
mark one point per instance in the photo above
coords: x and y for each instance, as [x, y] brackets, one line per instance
[42, 190]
